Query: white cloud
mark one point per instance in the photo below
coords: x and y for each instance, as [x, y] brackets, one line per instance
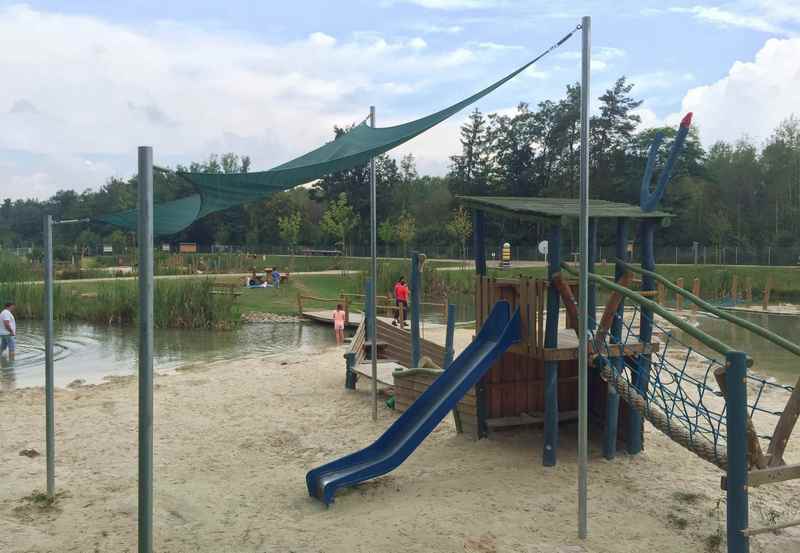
[725, 18]
[78, 88]
[439, 29]
[454, 4]
[752, 98]
[321, 39]
[417, 43]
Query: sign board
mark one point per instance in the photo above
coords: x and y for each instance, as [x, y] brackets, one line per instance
[543, 247]
[165, 247]
[108, 249]
[187, 247]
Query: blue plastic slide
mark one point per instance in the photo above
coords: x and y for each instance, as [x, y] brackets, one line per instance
[498, 333]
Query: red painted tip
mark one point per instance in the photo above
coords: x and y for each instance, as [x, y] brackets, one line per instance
[687, 120]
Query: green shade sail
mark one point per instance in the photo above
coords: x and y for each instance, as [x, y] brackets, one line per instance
[216, 192]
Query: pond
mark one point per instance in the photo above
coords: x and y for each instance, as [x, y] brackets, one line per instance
[768, 359]
[89, 352]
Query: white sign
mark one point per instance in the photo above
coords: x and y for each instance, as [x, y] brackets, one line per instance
[543, 247]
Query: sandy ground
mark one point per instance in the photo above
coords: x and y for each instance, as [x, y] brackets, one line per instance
[235, 439]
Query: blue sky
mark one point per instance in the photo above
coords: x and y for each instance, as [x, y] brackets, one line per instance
[88, 81]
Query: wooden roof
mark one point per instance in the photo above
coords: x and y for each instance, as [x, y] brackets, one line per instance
[522, 207]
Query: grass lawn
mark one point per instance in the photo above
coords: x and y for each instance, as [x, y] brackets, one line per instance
[283, 301]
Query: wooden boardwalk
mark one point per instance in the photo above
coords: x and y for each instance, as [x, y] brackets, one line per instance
[326, 316]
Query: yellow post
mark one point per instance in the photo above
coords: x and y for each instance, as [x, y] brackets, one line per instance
[767, 289]
[696, 292]
[678, 297]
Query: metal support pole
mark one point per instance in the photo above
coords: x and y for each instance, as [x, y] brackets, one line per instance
[583, 287]
[416, 304]
[479, 242]
[737, 500]
[145, 349]
[373, 245]
[551, 341]
[448, 339]
[49, 401]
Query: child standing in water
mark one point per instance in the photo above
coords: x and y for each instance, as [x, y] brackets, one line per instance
[338, 324]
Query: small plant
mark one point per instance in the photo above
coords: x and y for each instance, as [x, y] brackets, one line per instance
[687, 497]
[677, 521]
[713, 542]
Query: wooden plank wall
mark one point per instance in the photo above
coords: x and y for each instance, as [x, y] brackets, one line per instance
[399, 345]
[407, 388]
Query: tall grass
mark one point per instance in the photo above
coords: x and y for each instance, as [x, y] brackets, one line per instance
[14, 268]
[177, 304]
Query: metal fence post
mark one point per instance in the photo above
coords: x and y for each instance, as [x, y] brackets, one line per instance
[49, 402]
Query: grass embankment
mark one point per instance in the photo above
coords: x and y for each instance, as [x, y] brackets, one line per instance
[177, 303]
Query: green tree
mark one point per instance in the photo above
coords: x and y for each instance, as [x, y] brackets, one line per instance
[460, 228]
[339, 220]
[405, 230]
[289, 227]
[387, 234]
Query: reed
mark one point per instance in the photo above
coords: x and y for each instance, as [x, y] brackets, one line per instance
[177, 304]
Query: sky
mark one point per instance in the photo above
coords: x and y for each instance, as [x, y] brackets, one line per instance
[86, 82]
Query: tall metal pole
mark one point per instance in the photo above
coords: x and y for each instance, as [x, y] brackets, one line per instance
[373, 245]
[145, 349]
[49, 402]
[583, 300]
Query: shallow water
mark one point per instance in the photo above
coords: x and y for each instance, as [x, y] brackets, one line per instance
[89, 352]
[768, 359]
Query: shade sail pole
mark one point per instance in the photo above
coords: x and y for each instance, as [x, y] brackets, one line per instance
[373, 246]
[145, 349]
[583, 287]
[49, 403]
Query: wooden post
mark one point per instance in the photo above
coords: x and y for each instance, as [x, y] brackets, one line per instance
[754, 452]
[662, 294]
[641, 375]
[591, 322]
[696, 292]
[767, 290]
[551, 341]
[678, 297]
[734, 289]
[737, 497]
[749, 290]
[612, 402]
[346, 309]
[783, 430]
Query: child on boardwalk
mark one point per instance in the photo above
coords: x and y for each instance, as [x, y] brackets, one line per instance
[338, 324]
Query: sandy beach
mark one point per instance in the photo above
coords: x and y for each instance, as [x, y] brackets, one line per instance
[235, 439]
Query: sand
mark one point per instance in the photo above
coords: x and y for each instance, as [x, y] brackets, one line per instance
[235, 439]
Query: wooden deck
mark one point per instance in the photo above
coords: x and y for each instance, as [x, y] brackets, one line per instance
[326, 316]
[385, 370]
[568, 347]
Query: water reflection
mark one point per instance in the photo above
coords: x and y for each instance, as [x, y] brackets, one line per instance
[89, 352]
[768, 359]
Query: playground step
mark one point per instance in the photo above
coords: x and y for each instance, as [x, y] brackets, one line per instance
[379, 343]
[381, 360]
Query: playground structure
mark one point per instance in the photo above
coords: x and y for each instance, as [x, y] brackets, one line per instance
[696, 390]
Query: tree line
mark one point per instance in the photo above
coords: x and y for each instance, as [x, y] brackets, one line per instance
[735, 193]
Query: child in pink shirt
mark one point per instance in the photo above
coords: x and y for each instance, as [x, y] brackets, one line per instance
[338, 324]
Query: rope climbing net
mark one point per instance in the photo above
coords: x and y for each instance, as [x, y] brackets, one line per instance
[680, 388]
